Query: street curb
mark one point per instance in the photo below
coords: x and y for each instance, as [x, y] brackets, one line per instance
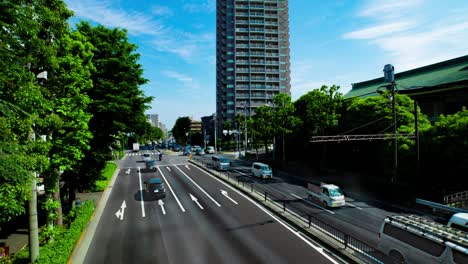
[287, 216]
[81, 248]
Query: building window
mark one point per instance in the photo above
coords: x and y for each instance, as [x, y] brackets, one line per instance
[230, 61]
[230, 86]
[230, 111]
[230, 69]
[230, 102]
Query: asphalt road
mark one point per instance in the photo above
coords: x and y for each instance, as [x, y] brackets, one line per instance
[359, 219]
[201, 220]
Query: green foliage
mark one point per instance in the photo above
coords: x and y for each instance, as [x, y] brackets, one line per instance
[180, 129]
[150, 133]
[319, 110]
[12, 199]
[106, 175]
[58, 250]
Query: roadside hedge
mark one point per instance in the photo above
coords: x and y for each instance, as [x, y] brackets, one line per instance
[106, 175]
[60, 249]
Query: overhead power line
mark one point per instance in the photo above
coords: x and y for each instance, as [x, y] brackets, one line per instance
[368, 137]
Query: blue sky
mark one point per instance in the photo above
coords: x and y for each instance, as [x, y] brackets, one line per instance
[332, 42]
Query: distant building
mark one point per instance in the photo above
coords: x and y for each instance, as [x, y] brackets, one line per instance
[195, 126]
[208, 126]
[252, 55]
[153, 119]
[440, 88]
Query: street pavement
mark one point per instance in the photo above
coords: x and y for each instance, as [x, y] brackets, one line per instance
[360, 219]
[201, 220]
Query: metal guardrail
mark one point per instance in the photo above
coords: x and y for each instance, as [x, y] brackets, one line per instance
[441, 206]
[362, 251]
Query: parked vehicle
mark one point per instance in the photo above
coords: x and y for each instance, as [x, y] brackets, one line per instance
[414, 239]
[329, 195]
[210, 150]
[200, 152]
[262, 170]
[146, 157]
[459, 221]
[136, 147]
[155, 187]
[187, 152]
[221, 163]
[194, 148]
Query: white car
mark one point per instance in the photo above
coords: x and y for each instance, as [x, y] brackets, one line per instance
[210, 150]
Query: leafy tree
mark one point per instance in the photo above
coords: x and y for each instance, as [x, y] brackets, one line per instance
[181, 129]
[284, 120]
[117, 104]
[151, 133]
[262, 125]
[445, 152]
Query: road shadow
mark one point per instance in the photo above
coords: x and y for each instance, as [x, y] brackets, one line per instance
[250, 225]
[147, 197]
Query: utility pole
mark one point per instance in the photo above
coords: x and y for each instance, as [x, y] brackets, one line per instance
[416, 133]
[245, 126]
[215, 132]
[389, 76]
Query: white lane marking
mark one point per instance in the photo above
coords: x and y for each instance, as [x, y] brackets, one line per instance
[128, 171]
[196, 201]
[121, 211]
[172, 191]
[223, 192]
[187, 167]
[318, 249]
[201, 189]
[169, 169]
[172, 164]
[352, 205]
[312, 203]
[241, 173]
[141, 195]
[161, 203]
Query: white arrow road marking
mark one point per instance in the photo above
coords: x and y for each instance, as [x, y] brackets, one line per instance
[169, 169]
[170, 188]
[223, 192]
[121, 211]
[312, 203]
[186, 166]
[201, 189]
[141, 195]
[196, 201]
[128, 171]
[161, 203]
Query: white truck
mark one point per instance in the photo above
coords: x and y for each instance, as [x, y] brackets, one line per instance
[136, 147]
[329, 195]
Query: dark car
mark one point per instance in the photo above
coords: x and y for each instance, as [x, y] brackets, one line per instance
[187, 152]
[155, 187]
[177, 148]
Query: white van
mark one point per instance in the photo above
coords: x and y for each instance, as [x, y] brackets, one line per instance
[459, 221]
[262, 170]
[414, 239]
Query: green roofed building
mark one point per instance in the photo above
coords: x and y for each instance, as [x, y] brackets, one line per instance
[440, 88]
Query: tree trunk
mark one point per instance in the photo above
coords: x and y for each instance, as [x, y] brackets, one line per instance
[32, 210]
[58, 210]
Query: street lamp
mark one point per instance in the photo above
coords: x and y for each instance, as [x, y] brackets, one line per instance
[272, 105]
[215, 132]
[244, 105]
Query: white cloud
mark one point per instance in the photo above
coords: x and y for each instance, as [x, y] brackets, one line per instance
[379, 30]
[190, 47]
[388, 9]
[191, 86]
[197, 6]
[159, 10]
[429, 37]
[302, 78]
[103, 12]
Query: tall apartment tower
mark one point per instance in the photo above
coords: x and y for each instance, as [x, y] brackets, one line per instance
[252, 55]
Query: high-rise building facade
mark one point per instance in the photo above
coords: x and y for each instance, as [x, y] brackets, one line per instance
[252, 55]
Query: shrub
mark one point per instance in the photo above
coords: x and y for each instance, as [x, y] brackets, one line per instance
[59, 249]
[106, 174]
